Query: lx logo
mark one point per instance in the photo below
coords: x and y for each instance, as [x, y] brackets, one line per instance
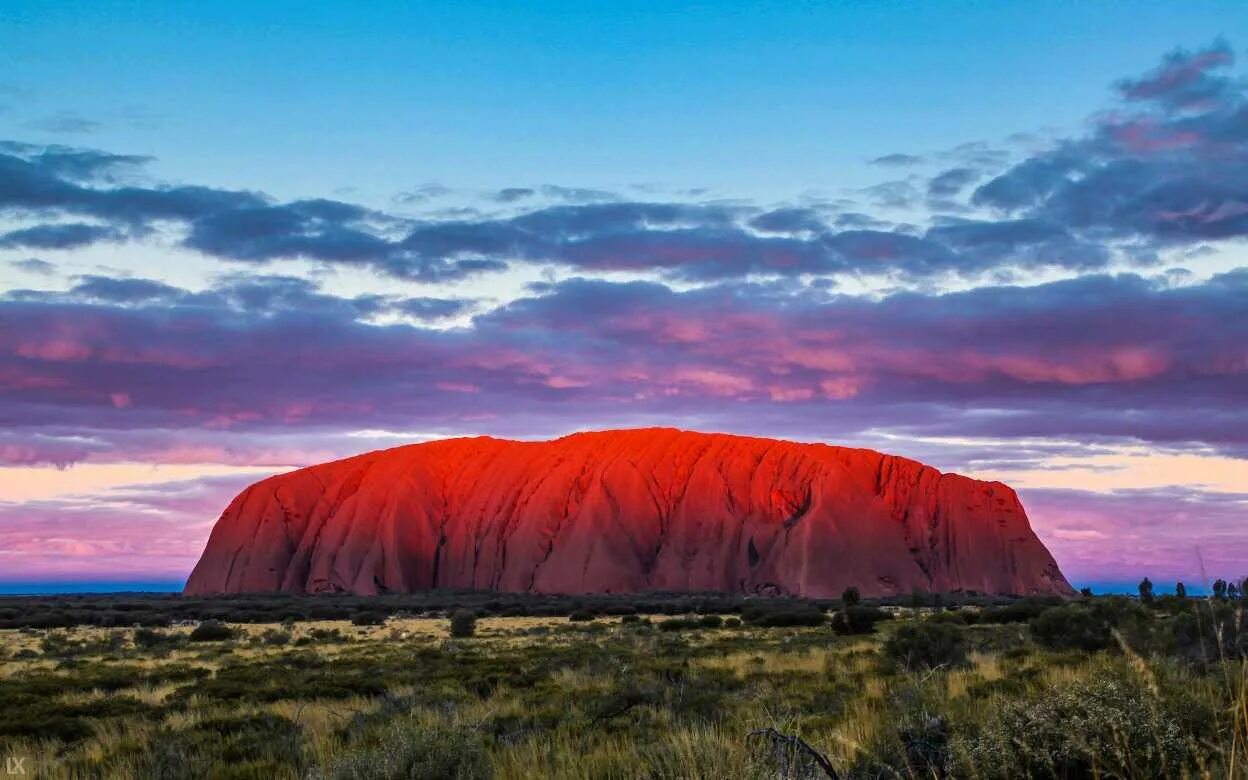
[15, 765]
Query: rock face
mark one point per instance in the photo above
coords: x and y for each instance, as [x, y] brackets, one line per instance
[625, 511]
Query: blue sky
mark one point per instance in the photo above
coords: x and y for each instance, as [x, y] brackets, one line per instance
[753, 100]
[239, 238]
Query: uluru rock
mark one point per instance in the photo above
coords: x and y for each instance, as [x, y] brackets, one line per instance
[625, 511]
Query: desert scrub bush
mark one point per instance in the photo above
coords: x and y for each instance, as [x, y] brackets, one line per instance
[368, 619]
[34, 713]
[1070, 628]
[256, 746]
[1017, 612]
[152, 640]
[711, 621]
[211, 631]
[619, 609]
[927, 644]
[1107, 725]
[275, 637]
[294, 676]
[322, 636]
[857, 619]
[582, 615]
[953, 616]
[412, 749]
[1209, 632]
[63, 646]
[782, 615]
[463, 623]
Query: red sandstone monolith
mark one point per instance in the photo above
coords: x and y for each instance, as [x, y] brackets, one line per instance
[626, 511]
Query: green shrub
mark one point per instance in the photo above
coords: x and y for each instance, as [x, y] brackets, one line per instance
[1109, 726]
[149, 639]
[857, 620]
[408, 750]
[1017, 612]
[1208, 632]
[249, 746]
[1070, 628]
[925, 739]
[274, 637]
[927, 644]
[582, 615]
[710, 621]
[463, 623]
[798, 616]
[953, 617]
[368, 619]
[732, 622]
[211, 631]
[295, 676]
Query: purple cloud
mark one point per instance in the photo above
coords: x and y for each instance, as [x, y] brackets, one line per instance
[144, 530]
[1172, 166]
[1169, 535]
[1097, 356]
[1165, 168]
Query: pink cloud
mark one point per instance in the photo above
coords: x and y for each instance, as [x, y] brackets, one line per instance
[1168, 535]
[143, 531]
[56, 350]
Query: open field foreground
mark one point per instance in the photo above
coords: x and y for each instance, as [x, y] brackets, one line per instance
[1107, 687]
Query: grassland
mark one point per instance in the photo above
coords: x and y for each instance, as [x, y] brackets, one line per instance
[1105, 688]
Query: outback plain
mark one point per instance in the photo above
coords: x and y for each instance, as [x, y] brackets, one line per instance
[482, 686]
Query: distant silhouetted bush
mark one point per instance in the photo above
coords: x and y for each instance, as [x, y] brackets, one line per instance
[1018, 612]
[857, 620]
[463, 623]
[368, 619]
[778, 614]
[618, 610]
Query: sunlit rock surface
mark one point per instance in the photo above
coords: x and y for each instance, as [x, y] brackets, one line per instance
[625, 511]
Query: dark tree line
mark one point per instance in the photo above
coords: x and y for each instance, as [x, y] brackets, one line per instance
[1222, 590]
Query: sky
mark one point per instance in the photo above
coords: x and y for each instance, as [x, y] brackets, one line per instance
[1005, 239]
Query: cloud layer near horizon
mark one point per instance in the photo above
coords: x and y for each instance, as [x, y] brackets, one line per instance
[697, 312]
[1091, 358]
